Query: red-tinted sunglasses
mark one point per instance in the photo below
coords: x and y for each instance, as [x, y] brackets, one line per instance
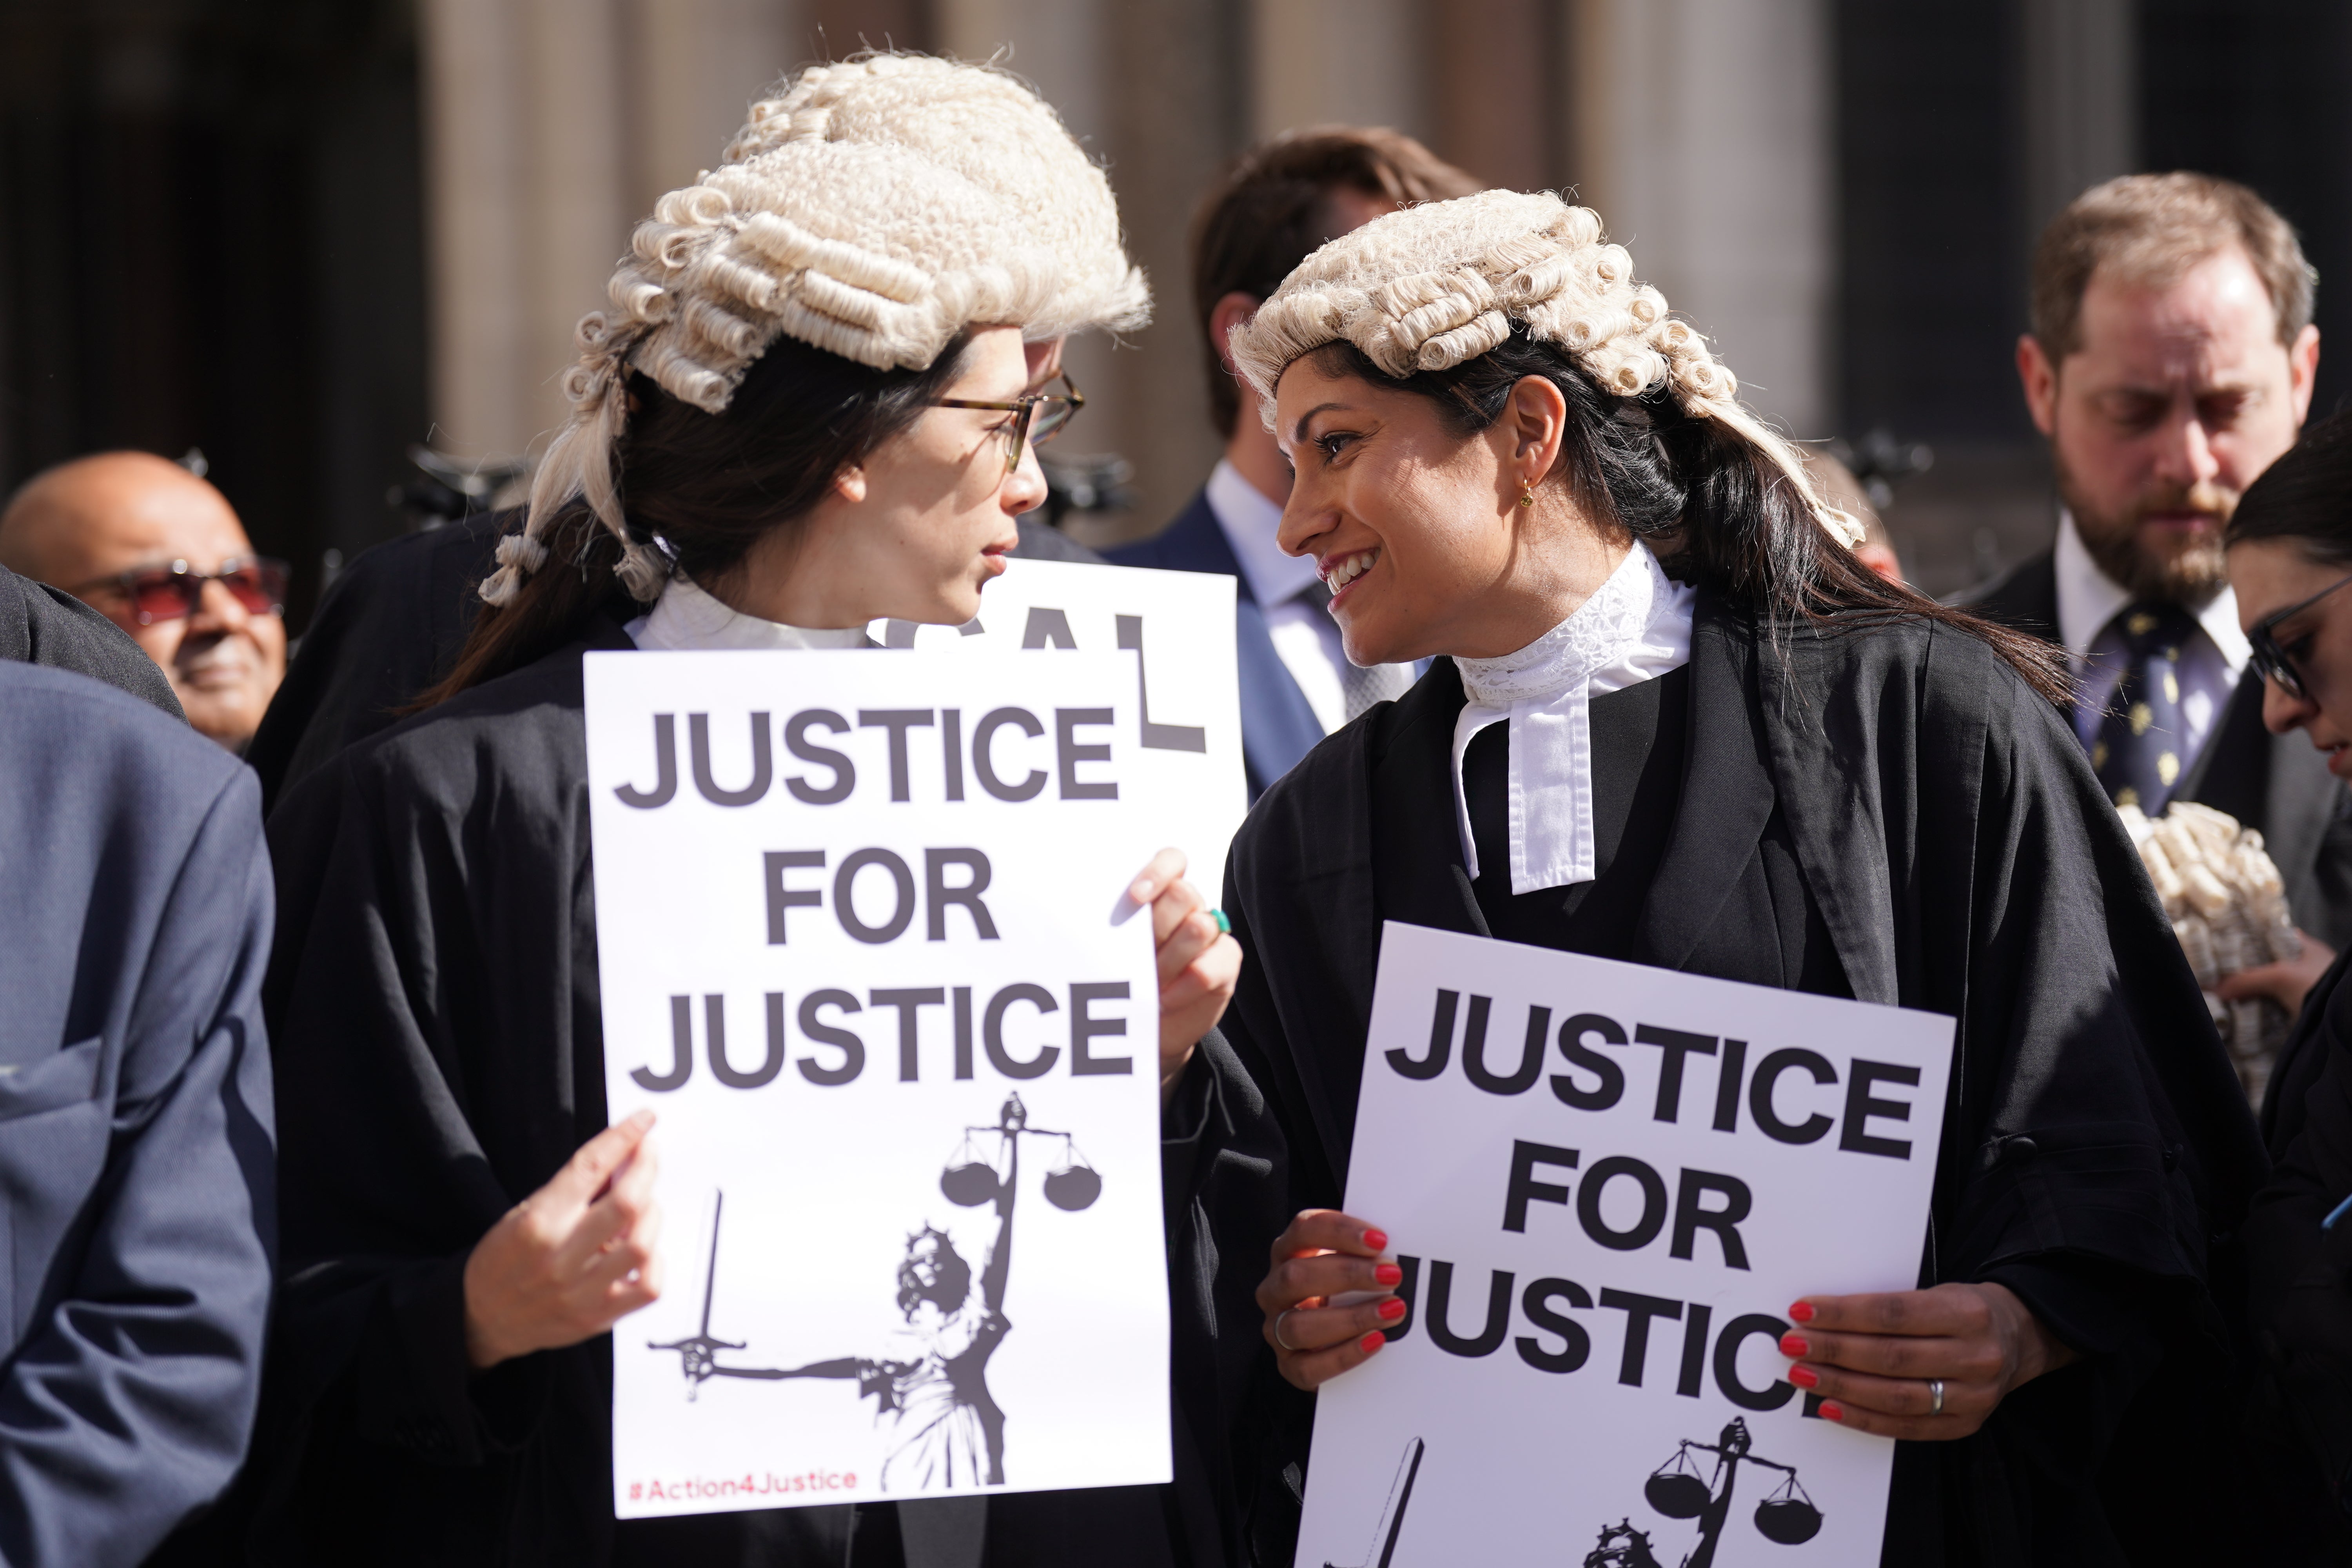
[167, 593]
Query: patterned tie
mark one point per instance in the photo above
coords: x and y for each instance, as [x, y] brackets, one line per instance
[2143, 741]
[1364, 686]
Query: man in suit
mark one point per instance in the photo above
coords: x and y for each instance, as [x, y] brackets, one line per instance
[1274, 204]
[2170, 362]
[137, 1190]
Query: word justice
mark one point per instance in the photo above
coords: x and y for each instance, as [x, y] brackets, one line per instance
[1000, 756]
[843, 1051]
[1776, 1072]
[1561, 1343]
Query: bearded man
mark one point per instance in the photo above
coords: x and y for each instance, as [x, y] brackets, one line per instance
[2170, 363]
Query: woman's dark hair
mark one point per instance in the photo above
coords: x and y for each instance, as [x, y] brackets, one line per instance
[704, 488]
[2305, 496]
[1720, 513]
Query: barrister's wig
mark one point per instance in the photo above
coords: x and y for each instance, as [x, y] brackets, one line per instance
[875, 210]
[1432, 286]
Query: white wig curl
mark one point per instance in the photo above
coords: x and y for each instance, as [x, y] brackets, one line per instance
[872, 209]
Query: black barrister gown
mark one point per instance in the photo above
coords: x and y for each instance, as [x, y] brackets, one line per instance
[2302, 1273]
[1889, 815]
[434, 1008]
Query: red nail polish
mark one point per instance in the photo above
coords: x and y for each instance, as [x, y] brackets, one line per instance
[1373, 1341]
[1388, 1274]
[1392, 1309]
[1794, 1344]
[1832, 1410]
[1804, 1377]
[1378, 1240]
[1802, 1312]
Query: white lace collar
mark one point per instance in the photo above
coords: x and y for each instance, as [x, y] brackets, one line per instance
[687, 617]
[1637, 628]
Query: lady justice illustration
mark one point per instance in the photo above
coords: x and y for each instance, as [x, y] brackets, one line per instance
[932, 1384]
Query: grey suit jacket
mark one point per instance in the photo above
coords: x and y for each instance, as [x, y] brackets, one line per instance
[137, 1193]
[2276, 783]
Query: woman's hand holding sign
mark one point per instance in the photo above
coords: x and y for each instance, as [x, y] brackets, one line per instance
[1322, 1255]
[572, 1260]
[1926, 1365]
[1199, 964]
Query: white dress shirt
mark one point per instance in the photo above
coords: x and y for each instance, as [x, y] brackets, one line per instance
[687, 617]
[2088, 599]
[1305, 637]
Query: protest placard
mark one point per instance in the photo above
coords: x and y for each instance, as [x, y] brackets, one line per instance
[864, 947]
[1173, 632]
[1606, 1184]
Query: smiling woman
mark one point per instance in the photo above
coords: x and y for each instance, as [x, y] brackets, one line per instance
[1672, 720]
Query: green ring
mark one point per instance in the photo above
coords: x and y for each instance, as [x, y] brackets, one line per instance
[1223, 924]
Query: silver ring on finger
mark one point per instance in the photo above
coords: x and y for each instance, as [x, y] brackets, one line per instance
[1935, 1389]
[1283, 1316]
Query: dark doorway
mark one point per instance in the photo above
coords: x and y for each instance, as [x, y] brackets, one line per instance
[211, 237]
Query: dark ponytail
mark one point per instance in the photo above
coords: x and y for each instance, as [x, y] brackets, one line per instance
[702, 489]
[1720, 513]
[2305, 496]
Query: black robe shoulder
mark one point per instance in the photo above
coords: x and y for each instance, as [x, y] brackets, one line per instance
[2095, 1155]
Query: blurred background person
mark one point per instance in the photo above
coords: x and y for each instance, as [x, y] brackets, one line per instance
[2171, 361]
[1274, 204]
[162, 555]
[2290, 560]
[137, 1180]
[1839, 489]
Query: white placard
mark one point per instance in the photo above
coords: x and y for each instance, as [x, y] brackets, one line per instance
[1610, 1183]
[895, 885]
[1175, 633]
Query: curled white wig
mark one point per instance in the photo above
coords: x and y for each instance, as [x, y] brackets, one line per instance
[872, 209]
[1432, 285]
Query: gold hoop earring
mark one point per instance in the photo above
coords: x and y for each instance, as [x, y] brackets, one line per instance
[1526, 493]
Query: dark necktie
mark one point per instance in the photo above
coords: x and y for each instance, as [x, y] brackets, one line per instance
[2142, 746]
[1363, 686]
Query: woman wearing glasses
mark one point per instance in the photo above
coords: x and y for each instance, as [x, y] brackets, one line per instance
[2290, 545]
[812, 407]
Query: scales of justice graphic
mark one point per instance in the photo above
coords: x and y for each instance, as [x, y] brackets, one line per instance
[948, 1429]
[1677, 1490]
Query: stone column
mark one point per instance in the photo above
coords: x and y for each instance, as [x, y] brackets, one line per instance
[1358, 62]
[2081, 101]
[1704, 137]
[551, 127]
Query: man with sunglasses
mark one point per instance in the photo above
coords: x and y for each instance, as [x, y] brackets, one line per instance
[162, 555]
[2169, 364]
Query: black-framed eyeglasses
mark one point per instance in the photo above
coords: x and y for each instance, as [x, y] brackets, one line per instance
[1037, 416]
[167, 593]
[2269, 656]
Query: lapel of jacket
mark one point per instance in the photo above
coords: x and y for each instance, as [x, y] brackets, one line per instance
[1727, 797]
[1838, 745]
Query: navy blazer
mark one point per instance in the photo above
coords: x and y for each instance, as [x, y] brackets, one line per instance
[1279, 726]
[136, 1159]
